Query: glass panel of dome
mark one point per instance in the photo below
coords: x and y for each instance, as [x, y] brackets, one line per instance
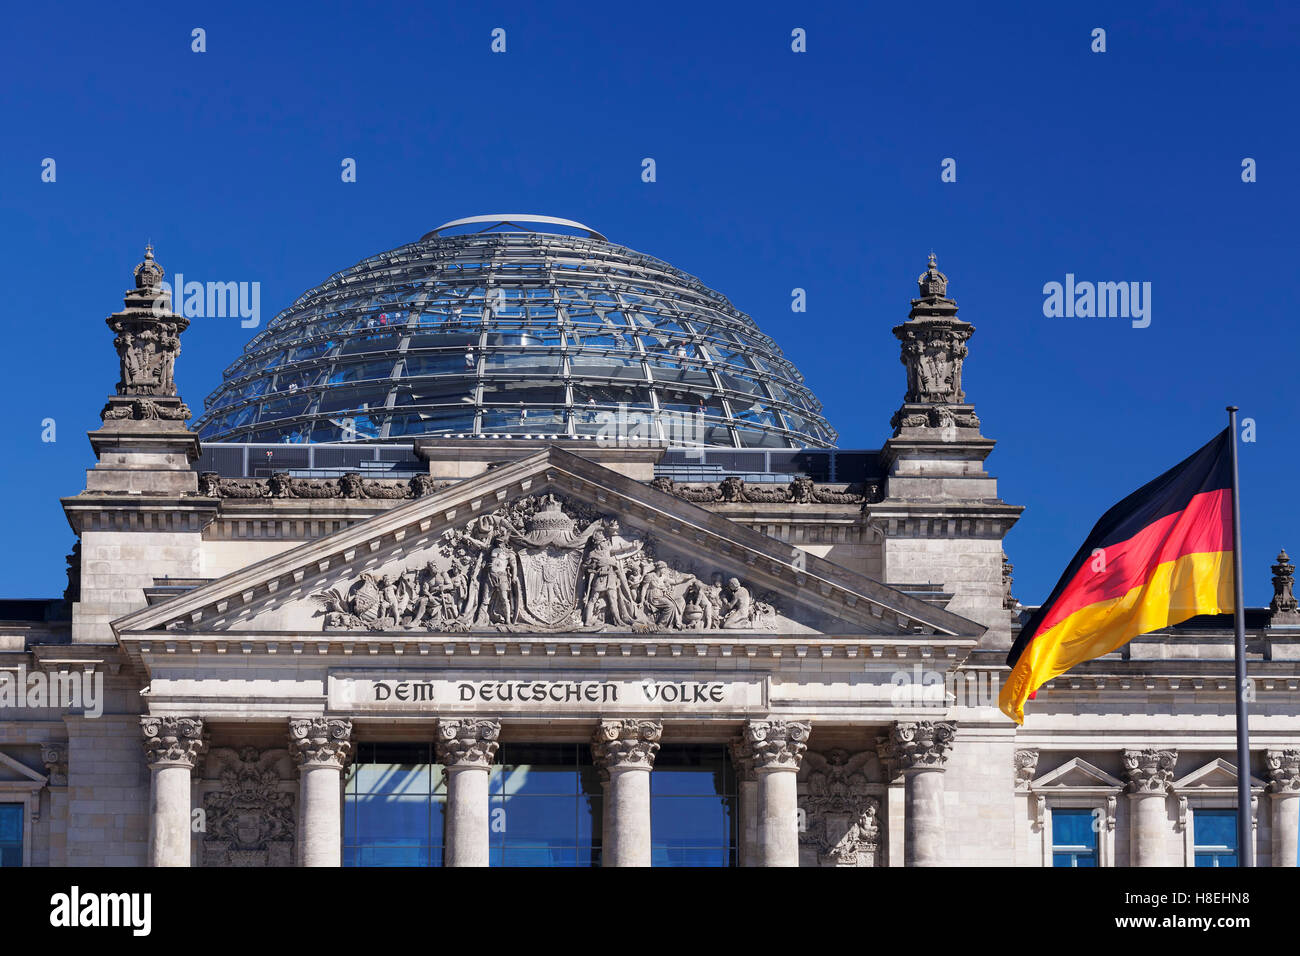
[739, 383]
[610, 395]
[749, 438]
[672, 374]
[385, 342]
[311, 350]
[286, 407]
[419, 423]
[364, 371]
[338, 399]
[437, 363]
[526, 419]
[529, 363]
[442, 340]
[607, 366]
[512, 392]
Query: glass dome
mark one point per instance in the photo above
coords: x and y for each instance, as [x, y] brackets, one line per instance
[514, 325]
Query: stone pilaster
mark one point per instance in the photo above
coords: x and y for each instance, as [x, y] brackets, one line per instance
[742, 762]
[1284, 793]
[625, 750]
[778, 747]
[919, 751]
[467, 747]
[173, 747]
[1148, 772]
[321, 747]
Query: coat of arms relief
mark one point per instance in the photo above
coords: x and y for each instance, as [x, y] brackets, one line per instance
[542, 563]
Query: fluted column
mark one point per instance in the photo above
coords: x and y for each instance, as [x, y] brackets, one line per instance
[742, 761]
[1284, 794]
[173, 747]
[321, 747]
[466, 747]
[1149, 771]
[919, 750]
[778, 747]
[625, 750]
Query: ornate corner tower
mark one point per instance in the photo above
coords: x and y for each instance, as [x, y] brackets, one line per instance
[941, 515]
[140, 517]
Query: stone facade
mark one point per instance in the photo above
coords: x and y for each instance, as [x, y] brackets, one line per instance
[844, 642]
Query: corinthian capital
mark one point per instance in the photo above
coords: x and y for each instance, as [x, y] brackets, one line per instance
[175, 741]
[1149, 770]
[1283, 770]
[742, 758]
[918, 744]
[468, 742]
[777, 744]
[320, 741]
[624, 744]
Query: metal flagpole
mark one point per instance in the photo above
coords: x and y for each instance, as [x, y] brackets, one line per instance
[1245, 846]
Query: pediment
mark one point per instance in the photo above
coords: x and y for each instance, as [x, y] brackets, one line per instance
[14, 772]
[552, 543]
[1217, 776]
[1077, 774]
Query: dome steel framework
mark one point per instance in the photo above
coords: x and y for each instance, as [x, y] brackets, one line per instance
[506, 329]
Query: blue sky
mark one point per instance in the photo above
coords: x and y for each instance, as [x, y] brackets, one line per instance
[775, 170]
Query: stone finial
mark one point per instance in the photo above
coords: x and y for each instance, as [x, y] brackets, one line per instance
[1008, 599]
[1026, 765]
[777, 744]
[147, 338]
[932, 283]
[320, 741]
[623, 744]
[468, 742]
[918, 744]
[1283, 770]
[1149, 770]
[175, 741]
[1284, 605]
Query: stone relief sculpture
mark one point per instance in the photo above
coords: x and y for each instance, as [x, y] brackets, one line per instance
[250, 819]
[841, 820]
[801, 491]
[350, 485]
[542, 564]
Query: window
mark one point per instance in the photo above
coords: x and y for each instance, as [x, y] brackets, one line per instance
[11, 834]
[692, 807]
[1215, 837]
[1074, 838]
[393, 806]
[545, 806]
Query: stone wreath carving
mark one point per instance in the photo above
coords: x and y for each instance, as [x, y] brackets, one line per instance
[841, 820]
[801, 491]
[350, 485]
[543, 564]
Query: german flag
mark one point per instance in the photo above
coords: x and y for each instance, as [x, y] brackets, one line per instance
[1160, 556]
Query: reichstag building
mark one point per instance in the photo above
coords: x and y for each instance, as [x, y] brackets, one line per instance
[515, 547]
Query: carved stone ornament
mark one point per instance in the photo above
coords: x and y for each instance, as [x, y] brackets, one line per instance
[624, 744]
[919, 744]
[250, 819]
[1008, 599]
[468, 742]
[841, 820]
[1283, 770]
[320, 741]
[172, 740]
[147, 337]
[55, 758]
[1149, 770]
[742, 758]
[1026, 765]
[542, 564]
[777, 744]
[1284, 605]
[802, 490]
[350, 485]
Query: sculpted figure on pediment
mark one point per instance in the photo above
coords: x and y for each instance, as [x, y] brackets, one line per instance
[542, 564]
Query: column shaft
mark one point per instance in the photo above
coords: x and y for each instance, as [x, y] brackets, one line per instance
[629, 821]
[778, 816]
[1286, 828]
[924, 843]
[467, 817]
[173, 747]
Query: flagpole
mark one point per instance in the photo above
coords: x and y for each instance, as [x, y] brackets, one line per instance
[1245, 845]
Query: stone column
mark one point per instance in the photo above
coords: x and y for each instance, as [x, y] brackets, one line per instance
[172, 748]
[625, 750]
[778, 747]
[466, 747]
[742, 761]
[918, 750]
[321, 747]
[1149, 772]
[1284, 792]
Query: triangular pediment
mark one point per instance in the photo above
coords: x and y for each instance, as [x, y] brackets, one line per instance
[1076, 774]
[551, 543]
[14, 772]
[1217, 776]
